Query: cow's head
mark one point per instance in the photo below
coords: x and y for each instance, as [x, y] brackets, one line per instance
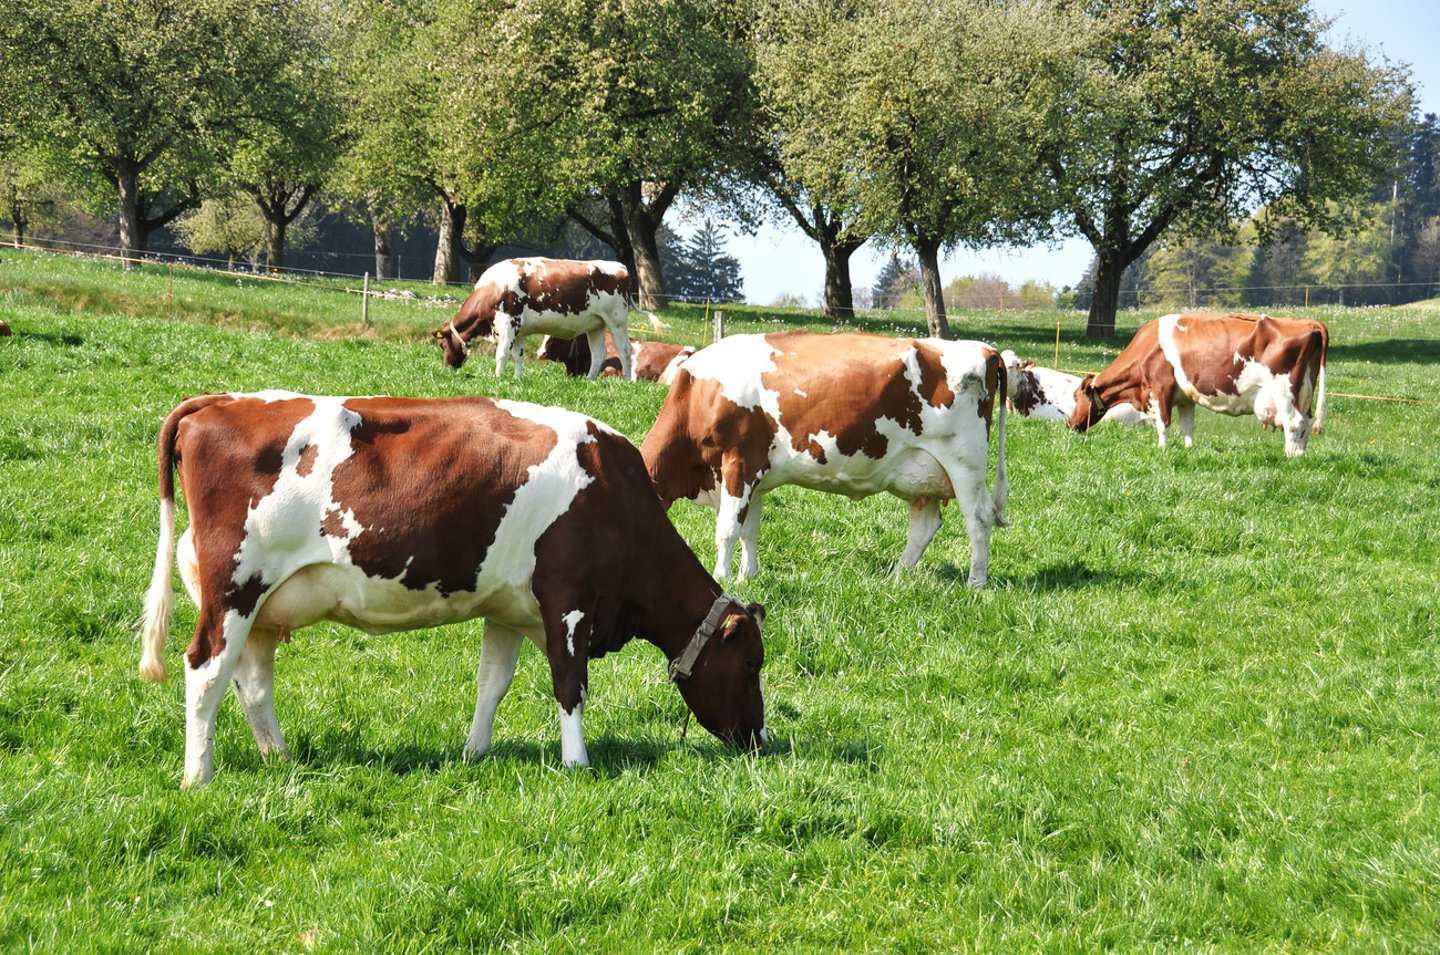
[721, 681]
[456, 348]
[1090, 405]
[476, 317]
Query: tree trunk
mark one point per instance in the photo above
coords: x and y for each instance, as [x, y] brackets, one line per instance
[839, 294]
[642, 221]
[929, 254]
[17, 214]
[275, 244]
[624, 250]
[1109, 269]
[447, 249]
[132, 235]
[382, 248]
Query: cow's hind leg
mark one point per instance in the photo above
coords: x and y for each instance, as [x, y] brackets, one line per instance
[968, 481]
[1187, 423]
[205, 687]
[255, 688]
[499, 652]
[596, 339]
[924, 522]
[618, 321]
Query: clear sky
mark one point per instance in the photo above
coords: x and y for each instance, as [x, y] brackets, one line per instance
[782, 260]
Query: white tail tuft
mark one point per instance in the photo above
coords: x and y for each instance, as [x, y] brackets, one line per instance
[1320, 401]
[1002, 484]
[159, 600]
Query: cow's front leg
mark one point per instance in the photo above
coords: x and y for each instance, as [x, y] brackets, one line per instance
[205, 687]
[255, 688]
[499, 651]
[730, 514]
[750, 540]
[924, 522]
[1160, 411]
[567, 644]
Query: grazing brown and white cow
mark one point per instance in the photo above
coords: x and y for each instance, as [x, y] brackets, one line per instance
[853, 414]
[1049, 395]
[1235, 364]
[652, 361]
[538, 296]
[391, 514]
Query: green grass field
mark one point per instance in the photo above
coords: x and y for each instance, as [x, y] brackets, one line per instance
[1196, 707]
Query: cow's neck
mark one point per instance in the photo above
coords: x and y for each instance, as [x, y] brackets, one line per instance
[676, 603]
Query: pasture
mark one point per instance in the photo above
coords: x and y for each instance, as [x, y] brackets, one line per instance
[1196, 706]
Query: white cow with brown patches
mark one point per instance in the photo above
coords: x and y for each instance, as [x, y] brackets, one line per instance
[391, 514]
[1234, 364]
[852, 414]
[567, 298]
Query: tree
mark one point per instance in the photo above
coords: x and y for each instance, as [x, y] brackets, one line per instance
[648, 97]
[1197, 271]
[704, 272]
[289, 147]
[234, 228]
[142, 96]
[932, 113]
[796, 114]
[1193, 114]
[897, 276]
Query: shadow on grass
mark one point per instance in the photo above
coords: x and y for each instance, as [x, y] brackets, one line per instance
[48, 338]
[1394, 350]
[1072, 576]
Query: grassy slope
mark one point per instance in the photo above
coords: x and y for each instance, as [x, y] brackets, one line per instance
[1195, 707]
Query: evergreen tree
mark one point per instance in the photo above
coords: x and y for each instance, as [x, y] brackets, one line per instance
[896, 278]
[702, 270]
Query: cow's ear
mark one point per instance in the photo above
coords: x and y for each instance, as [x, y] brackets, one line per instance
[758, 612]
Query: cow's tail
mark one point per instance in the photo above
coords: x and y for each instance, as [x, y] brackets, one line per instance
[1320, 397]
[1002, 484]
[160, 598]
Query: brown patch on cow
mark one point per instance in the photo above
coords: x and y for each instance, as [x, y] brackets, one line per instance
[333, 524]
[306, 464]
[421, 455]
[648, 359]
[683, 453]
[5, 330]
[230, 454]
[1027, 391]
[994, 385]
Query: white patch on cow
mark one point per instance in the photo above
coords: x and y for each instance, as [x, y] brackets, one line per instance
[801, 393]
[671, 370]
[737, 363]
[572, 620]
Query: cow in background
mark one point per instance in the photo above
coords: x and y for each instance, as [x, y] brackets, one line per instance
[852, 414]
[390, 514]
[1234, 364]
[1050, 395]
[537, 296]
[652, 361]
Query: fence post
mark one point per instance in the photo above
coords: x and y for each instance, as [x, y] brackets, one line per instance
[170, 290]
[365, 302]
[1057, 342]
[719, 324]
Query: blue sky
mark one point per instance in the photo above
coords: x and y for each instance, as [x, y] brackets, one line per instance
[782, 260]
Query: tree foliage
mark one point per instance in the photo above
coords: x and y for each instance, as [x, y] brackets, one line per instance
[704, 271]
[140, 99]
[1193, 113]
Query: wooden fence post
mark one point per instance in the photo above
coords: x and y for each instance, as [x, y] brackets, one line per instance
[365, 302]
[719, 324]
